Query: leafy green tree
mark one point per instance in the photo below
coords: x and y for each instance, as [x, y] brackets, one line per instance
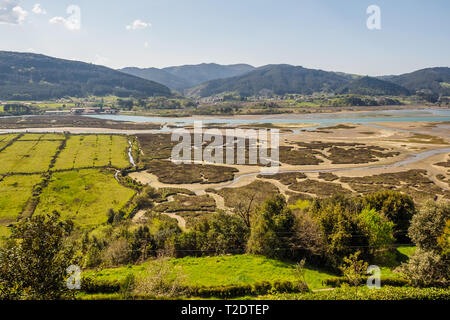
[341, 229]
[426, 268]
[354, 269]
[429, 264]
[380, 229]
[221, 234]
[272, 229]
[34, 261]
[397, 207]
[429, 224]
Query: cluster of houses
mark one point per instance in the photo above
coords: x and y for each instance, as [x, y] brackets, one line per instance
[106, 110]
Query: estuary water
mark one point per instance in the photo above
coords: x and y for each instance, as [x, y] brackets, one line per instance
[322, 119]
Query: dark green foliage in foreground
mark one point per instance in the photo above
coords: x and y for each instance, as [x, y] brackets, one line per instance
[429, 265]
[27, 76]
[272, 229]
[34, 261]
[220, 234]
[385, 293]
[92, 286]
[397, 207]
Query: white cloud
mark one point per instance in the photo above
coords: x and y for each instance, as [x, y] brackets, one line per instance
[11, 12]
[146, 44]
[73, 22]
[138, 24]
[37, 9]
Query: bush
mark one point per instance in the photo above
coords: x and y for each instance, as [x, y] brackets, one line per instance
[393, 282]
[272, 229]
[92, 285]
[385, 293]
[397, 207]
[429, 224]
[426, 268]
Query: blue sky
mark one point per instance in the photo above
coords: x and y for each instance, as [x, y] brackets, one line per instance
[324, 34]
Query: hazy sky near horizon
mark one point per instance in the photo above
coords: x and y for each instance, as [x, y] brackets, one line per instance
[323, 34]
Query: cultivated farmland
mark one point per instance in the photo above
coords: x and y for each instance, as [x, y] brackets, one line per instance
[85, 151]
[85, 196]
[5, 139]
[14, 194]
[28, 156]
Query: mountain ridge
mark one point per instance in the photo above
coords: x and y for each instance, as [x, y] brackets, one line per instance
[30, 76]
[184, 77]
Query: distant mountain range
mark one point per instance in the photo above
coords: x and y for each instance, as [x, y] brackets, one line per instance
[206, 80]
[188, 76]
[28, 76]
[283, 79]
[436, 80]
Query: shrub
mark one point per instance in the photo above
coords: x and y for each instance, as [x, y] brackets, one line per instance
[397, 207]
[393, 282]
[429, 224]
[426, 268]
[429, 264]
[272, 229]
[92, 285]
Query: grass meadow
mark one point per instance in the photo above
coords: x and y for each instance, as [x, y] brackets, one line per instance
[85, 196]
[5, 139]
[84, 151]
[14, 193]
[221, 270]
[28, 156]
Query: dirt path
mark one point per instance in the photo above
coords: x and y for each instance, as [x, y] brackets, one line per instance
[181, 221]
[139, 217]
[220, 201]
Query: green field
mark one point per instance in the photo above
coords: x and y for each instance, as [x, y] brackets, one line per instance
[5, 139]
[14, 193]
[41, 136]
[84, 151]
[222, 270]
[84, 196]
[28, 156]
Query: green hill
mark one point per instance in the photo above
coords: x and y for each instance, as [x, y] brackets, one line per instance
[373, 87]
[188, 76]
[276, 79]
[200, 73]
[161, 76]
[430, 79]
[27, 76]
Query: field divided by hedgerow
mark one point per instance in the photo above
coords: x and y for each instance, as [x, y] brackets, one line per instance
[28, 156]
[85, 151]
[14, 194]
[85, 196]
[5, 139]
[41, 136]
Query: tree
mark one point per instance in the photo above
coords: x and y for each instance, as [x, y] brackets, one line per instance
[341, 229]
[397, 207]
[307, 240]
[34, 261]
[426, 268]
[429, 224]
[221, 234]
[429, 264]
[272, 229]
[380, 229]
[354, 269]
